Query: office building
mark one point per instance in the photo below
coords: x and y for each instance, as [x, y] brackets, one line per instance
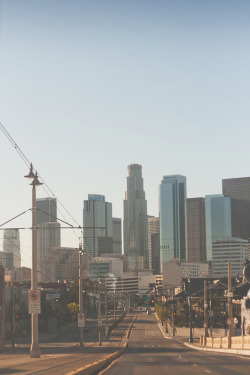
[102, 267]
[97, 226]
[221, 220]
[135, 225]
[117, 235]
[153, 228]
[173, 226]
[156, 256]
[62, 263]
[6, 260]
[11, 245]
[230, 249]
[196, 230]
[46, 210]
[238, 188]
[48, 229]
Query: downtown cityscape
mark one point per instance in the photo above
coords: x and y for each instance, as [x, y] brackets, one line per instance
[125, 190]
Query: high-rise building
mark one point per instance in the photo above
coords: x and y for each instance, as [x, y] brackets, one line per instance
[97, 226]
[196, 229]
[230, 249]
[238, 188]
[221, 220]
[173, 224]
[153, 228]
[117, 235]
[135, 225]
[155, 245]
[48, 230]
[11, 244]
[46, 210]
[6, 260]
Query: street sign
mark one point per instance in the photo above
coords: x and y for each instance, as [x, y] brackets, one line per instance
[81, 320]
[34, 298]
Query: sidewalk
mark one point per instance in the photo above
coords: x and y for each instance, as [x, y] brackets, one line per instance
[65, 357]
[196, 345]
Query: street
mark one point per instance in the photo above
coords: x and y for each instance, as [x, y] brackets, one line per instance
[150, 354]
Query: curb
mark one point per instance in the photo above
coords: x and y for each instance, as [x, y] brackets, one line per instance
[227, 351]
[99, 365]
[130, 327]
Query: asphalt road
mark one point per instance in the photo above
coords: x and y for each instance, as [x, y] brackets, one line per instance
[150, 354]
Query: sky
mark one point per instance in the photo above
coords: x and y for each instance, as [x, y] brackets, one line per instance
[89, 87]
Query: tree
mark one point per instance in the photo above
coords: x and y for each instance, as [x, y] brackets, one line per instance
[74, 310]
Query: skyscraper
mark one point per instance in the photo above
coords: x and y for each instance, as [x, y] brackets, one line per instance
[117, 235]
[11, 244]
[221, 220]
[135, 223]
[48, 230]
[173, 228]
[196, 229]
[239, 189]
[46, 210]
[153, 228]
[97, 226]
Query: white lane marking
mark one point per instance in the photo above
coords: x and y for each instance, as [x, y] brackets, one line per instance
[194, 364]
[179, 356]
[209, 372]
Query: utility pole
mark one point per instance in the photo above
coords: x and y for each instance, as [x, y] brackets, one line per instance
[230, 311]
[106, 308]
[99, 313]
[205, 309]
[115, 304]
[190, 312]
[80, 292]
[211, 313]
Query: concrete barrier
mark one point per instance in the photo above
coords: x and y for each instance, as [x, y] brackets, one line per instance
[130, 327]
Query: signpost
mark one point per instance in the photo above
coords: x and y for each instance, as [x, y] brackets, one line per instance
[34, 298]
[99, 320]
[81, 320]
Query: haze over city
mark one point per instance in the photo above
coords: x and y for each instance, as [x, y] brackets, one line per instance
[89, 87]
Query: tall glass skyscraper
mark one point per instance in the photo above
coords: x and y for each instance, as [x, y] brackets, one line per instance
[48, 230]
[173, 228]
[135, 225]
[97, 226]
[11, 245]
[221, 220]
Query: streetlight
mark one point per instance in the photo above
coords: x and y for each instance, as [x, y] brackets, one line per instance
[34, 350]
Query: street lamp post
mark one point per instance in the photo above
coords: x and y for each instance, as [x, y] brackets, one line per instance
[34, 350]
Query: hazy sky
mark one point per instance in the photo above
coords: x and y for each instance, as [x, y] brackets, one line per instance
[89, 87]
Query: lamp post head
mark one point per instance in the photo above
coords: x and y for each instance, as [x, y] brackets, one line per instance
[31, 174]
[35, 183]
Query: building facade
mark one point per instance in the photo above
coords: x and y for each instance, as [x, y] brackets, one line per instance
[153, 228]
[135, 225]
[117, 235]
[11, 245]
[220, 220]
[48, 229]
[173, 223]
[238, 188]
[196, 229]
[230, 249]
[97, 226]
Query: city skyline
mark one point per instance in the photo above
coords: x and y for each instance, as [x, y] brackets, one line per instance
[88, 88]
